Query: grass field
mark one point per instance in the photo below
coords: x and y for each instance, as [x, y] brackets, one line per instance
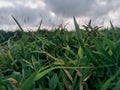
[84, 59]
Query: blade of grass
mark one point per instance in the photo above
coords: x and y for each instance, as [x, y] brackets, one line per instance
[74, 82]
[84, 48]
[80, 52]
[109, 42]
[101, 49]
[67, 85]
[43, 73]
[18, 23]
[68, 75]
[28, 82]
[112, 26]
[108, 82]
[48, 54]
[113, 30]
[10, 56]
[40, 24]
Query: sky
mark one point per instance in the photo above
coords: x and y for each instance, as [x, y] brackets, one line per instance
[29, 13]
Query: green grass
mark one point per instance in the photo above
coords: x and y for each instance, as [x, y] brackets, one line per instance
[86, 59]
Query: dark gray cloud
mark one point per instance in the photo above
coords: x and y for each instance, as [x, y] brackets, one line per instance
[30, 12]
[70, 7]
[26, 15]
[103, 7]
[23, 13]
[87, 8]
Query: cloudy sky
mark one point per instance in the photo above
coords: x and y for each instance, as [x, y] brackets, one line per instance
[54, 12]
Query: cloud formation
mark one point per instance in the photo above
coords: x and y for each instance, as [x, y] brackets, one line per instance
[70, 8]
[30, 12]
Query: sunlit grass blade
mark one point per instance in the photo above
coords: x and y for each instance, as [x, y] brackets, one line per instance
[10, 56]
[80, 52]
[43, 73]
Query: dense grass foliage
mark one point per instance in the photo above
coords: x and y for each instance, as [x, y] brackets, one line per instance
[87, 59]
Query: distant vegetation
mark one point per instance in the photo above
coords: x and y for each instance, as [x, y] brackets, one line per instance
[85, 59]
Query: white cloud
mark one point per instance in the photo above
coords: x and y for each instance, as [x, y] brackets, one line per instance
[4, 4]
[36, 4]
[102, 2]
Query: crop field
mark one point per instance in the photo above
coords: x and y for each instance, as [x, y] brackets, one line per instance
[84, 59]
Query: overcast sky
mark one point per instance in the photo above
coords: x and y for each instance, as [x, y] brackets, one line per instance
[55, 12]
